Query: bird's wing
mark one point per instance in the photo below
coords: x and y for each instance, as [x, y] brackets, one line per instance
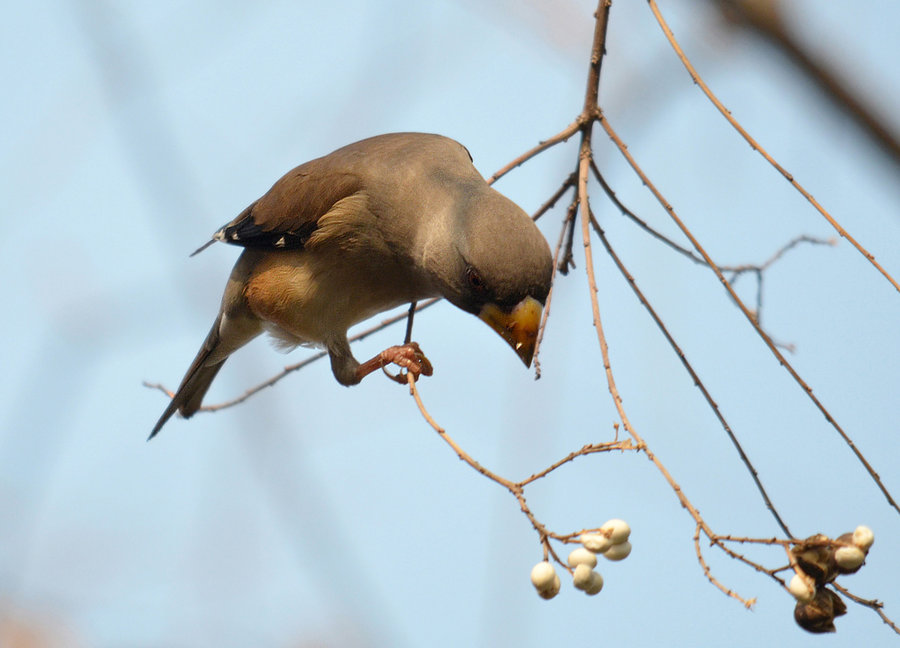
[289, 213]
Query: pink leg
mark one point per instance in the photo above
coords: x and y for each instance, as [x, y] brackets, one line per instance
[407, 356]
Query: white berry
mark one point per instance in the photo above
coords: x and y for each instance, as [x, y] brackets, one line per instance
[616, 530]
[582, 556]
[596, 542]
[542, 574]
[551, 591]
[545, 580]
[581, 579]
[849, 557]
[618, 551]
[863, 537]
[595, 585]
[802, 588]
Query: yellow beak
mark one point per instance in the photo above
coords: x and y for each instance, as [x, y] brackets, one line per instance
[519, 327]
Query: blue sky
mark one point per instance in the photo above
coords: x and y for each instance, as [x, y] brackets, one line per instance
[319, 515]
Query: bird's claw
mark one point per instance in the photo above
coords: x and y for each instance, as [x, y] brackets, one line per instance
[408, 357]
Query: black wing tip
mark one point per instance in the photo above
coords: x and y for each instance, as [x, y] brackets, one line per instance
[248, 234]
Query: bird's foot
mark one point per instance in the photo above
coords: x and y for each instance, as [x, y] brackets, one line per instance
[408, 357]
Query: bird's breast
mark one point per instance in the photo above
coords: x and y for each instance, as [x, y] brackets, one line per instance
[313, 296]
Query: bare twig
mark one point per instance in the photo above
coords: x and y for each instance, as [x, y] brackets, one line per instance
[693, 374]
[746, 311]
[585, 450]
[567, 261]
[515, 489]
[562, 136]
[736, 271]
[756, 147]
[545, 315]
[875, 605]
[639, 221]
[567, 184]
[296, 367]
[776, 256]
[765, 19]
[592, 110]
[768, 541]
[748, 603]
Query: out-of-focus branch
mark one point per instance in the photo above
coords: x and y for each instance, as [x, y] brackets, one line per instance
[766, 19]
[698, 80]
[703, 253]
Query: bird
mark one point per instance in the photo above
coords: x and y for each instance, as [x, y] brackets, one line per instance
[381, 222]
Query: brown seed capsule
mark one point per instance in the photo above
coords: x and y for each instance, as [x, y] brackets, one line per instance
[815, 555]
[818, 615]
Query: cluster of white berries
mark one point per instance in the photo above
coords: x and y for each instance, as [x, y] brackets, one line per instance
[819, 561]
[849, 556]
[611, 541]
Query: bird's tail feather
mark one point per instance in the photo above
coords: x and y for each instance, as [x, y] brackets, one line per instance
[196, 381]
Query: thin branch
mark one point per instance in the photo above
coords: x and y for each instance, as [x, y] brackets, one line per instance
[638, 220]
[765, 19]
[768, 541]
[776, 256]
[693, 374]
[873, 604]
[604, 349]
[296, 367]
[598, 49]
[561, 136]
[512, 487]
[585, 450]
[462, 454]
[585, 156]
[748, 603]
[736, 271]
[737, 300]
[545, 315]
[551, 202]
[756, 147]
[567, 261]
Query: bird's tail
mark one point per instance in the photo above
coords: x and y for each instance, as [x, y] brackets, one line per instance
[196, 381]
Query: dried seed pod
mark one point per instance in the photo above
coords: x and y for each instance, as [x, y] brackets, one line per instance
[818, 615]
[815, 556]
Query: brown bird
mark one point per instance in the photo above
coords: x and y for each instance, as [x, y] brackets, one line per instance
[385, 221]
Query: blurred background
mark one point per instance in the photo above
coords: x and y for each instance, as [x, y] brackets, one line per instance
[314, 515]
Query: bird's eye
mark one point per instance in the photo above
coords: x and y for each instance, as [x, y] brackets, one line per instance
[474, 279]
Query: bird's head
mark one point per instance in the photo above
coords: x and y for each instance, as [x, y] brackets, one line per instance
[499, 268]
